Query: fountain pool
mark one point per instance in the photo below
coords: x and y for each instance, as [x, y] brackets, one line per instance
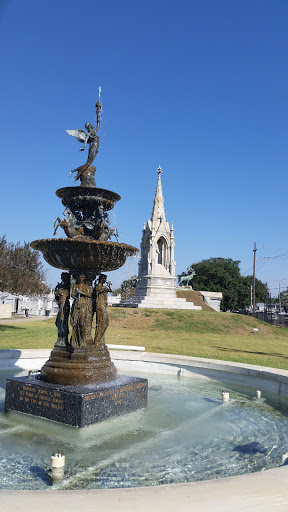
[185, 434]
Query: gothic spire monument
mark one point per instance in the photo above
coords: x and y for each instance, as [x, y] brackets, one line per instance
[157, 245]
[156, 286]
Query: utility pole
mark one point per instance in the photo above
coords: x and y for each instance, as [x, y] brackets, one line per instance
[279, 299]
[254, 262]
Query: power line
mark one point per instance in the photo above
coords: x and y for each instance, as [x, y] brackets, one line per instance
[283, 256]
[261, 265]
[248, 270]
[257, 267]
[277, 288]
[279, 280]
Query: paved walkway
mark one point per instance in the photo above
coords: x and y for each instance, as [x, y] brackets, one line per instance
[22, 318]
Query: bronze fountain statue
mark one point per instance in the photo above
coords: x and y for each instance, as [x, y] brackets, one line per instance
[79, 359]
[92, 139]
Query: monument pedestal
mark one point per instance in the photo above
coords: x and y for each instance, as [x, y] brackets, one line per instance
[78, 406]
[157, 291]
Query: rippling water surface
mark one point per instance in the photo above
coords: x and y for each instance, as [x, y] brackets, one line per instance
[185, 434]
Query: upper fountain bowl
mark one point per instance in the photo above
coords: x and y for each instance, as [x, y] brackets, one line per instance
[87, 197]
[82, 255]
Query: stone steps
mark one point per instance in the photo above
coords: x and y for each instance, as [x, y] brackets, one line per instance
[175, 305]
[165, 300]
[156, 303]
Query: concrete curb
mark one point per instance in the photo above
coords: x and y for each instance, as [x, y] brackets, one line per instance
[268, 379]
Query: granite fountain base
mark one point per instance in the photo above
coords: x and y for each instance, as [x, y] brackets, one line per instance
[77, 406]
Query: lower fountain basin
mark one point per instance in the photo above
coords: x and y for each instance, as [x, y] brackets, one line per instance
[186, 434]
[83, 255]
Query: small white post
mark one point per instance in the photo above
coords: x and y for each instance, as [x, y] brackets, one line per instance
[225, 395]
[57, 466]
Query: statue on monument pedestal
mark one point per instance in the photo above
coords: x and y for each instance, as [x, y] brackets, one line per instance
[92, 139]
[186, 279]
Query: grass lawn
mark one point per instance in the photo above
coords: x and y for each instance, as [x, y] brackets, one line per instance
[194, 333]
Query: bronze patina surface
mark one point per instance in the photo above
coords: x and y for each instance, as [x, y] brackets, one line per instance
[80, 356]
[82, 255]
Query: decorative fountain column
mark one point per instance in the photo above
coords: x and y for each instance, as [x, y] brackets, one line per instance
[79, 385]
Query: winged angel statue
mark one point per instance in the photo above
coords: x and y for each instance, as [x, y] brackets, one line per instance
[90, 138]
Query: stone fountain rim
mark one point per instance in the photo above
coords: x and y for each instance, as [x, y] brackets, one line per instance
[90, 191]
[85, 241]
[239, 493]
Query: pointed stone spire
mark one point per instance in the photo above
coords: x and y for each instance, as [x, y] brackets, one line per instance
[158, 213]
[156, 283]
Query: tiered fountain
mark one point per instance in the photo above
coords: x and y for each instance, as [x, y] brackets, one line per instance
[79, 385]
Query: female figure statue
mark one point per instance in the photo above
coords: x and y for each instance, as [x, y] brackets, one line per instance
[102, 320]
[92, 139]
[62, 296]
[81, 314]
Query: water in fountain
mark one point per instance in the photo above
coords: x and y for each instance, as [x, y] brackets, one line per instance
[186, 433]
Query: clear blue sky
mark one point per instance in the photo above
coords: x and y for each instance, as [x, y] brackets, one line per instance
[199, 87]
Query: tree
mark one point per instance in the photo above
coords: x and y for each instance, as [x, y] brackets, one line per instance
[223, 275]
[284, 299]
[261, 291]
[116, 291]
[21, 271]
[128, 287]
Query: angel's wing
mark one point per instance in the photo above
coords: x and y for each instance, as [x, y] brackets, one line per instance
[78, 134]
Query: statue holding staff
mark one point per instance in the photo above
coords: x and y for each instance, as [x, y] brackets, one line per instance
[90, 138]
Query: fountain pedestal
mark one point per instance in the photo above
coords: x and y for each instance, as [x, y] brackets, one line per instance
[79, 384]
[78, 406]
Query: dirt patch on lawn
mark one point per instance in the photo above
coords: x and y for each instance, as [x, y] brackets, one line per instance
[193, 296]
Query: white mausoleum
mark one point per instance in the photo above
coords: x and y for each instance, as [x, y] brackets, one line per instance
[156, 286]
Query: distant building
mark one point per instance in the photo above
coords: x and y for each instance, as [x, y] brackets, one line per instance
[212, 299]
[43, 305]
